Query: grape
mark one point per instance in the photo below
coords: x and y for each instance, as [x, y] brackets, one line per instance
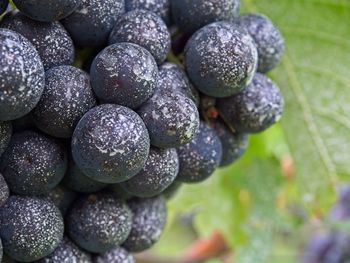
[267, 38]
[327, 247]
[221, 59]
[68, 252]
[233, 144]
[118, 255]
[200, 157]
[51, 40]
[22, 76]
[3, 7]
[31, 228]
[159, 172]
[47, 11]
[341, 209]
[172, 120]
[255, 109]
[62, 197]
[159, 7]
[91, 23]
[149, 218]
[98, 222]
[143, 28]
[110, 144]
[173, 78]
[1, 250]
[67, 97]
[5, 135]
[4, 191]
[33, 163]
[124, 74]
[191, 15]
[79, 182]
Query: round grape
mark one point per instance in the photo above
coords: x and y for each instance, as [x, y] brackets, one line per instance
[159, 172]
[51, 40]
[149, 219]
[99, 222]
[159, 7]
[91, 23]
[254, 109]
[33, 164]
[110, 144]
[22, 76]
[67, 252]
[191, 15]
[267, 38]
[200, 157]
[221, 59]
[172, 119]
[118, 255]
[67, 97]
[31, 228]
[145, 29]
[124, 74]
[233, 144]
[47, 11]
[4, 191]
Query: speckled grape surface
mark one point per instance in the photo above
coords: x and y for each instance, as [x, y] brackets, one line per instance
[3, 7]
[159, 7]
[47, 11]
[191, 15]
[95, 18]
[110, 143]
[145, 29]
[233, 144]
[221, 59]
[31, 228]
[149, 219]
[267, 38]
[66, 98]
[76, 180]
[67, 252]
[5, 135]
[51, 40]
[159, 172]
[22, 76]
[33, 163]
[98, 222]
[200, 157]
[172, 78]
[62, 197]
[4, 191]
[124, 74]
[118, 255]
[255, 109]
[172, 120]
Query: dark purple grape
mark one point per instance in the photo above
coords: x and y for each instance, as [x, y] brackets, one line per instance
[51, 40]
[110, 143]
[22, 76]
[221, 59]
[99, 222]
[31, 228]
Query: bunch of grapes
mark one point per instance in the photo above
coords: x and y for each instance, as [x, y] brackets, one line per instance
[331, 244]
[169, 92]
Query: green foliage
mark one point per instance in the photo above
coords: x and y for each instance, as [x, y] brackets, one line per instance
[248, 201]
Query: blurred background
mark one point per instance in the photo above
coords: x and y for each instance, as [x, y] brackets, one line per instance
[263, 207]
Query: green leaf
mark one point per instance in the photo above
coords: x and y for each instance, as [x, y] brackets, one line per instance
[314, 80]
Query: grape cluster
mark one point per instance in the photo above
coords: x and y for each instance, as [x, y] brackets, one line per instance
[107, 107]
[329, 244]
